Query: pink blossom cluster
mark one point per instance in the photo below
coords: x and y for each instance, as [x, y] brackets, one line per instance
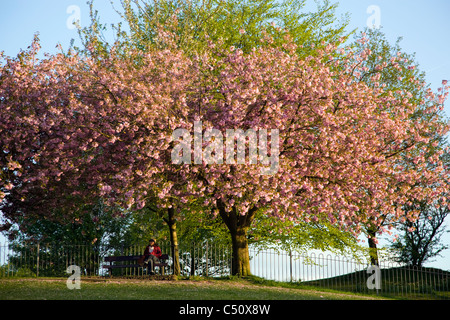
[75, 128]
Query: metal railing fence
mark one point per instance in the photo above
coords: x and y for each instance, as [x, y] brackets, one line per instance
[213, 260]
[350, 274]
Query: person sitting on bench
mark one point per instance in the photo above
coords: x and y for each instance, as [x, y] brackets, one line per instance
[152, 254]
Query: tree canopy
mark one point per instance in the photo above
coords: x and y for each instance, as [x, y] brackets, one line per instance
[332, 142]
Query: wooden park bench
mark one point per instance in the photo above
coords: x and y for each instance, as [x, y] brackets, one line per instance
[132, 262]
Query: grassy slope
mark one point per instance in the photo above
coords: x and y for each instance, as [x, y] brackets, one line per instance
[399, 283]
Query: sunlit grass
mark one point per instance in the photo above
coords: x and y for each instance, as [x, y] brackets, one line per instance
[140, 289]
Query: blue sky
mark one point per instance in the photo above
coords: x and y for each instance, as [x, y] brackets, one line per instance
[424, 26]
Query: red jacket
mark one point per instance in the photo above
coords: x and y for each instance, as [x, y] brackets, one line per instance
[156, 251]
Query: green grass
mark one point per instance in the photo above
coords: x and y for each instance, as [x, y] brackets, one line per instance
[396, 284]
[144, 289]
[413, 285]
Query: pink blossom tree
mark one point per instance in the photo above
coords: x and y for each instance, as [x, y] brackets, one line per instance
[80, 128]
[340, 141]
[76, 129]
[389, 66]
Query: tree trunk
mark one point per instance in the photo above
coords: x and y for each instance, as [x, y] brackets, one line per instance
[241, 261]
[193, 268]
[172, 223]
[373, 251]
[238, 226]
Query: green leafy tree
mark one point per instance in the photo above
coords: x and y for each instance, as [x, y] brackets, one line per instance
[87, 233]
[421, 240]
[288, 235]
[195, 24]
